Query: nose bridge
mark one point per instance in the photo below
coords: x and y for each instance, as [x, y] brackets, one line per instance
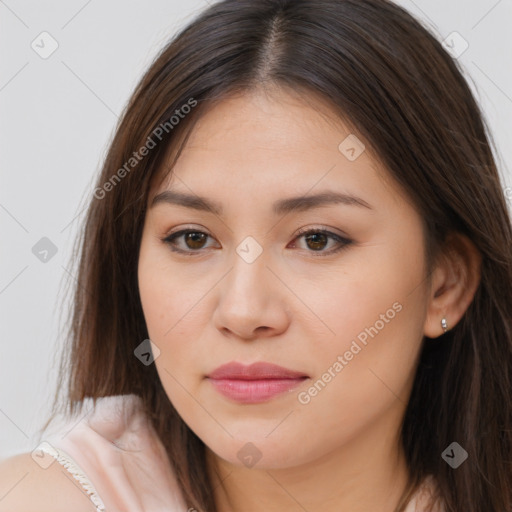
[248, 276]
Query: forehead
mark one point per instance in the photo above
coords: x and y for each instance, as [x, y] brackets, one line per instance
[270, 142]
[274, 120]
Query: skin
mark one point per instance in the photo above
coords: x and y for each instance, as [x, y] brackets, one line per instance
[294, 307]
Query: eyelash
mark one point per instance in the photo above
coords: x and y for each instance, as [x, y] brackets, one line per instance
[169, 240]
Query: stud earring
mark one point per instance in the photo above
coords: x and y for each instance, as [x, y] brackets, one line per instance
[444, 325]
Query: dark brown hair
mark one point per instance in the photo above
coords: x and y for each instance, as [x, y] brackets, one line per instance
[391, 79]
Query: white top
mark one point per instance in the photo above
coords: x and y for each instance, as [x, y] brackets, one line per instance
[118, 459]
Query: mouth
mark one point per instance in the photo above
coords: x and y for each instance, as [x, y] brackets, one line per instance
[255, 383]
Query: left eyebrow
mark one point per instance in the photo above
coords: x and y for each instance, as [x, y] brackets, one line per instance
[280, 207]
[303, 203]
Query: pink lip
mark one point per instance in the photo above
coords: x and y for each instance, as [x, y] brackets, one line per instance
[255, 383]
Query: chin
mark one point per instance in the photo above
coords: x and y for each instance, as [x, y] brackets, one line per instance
[260, 452]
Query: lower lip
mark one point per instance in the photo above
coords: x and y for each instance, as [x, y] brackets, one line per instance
[254, 391]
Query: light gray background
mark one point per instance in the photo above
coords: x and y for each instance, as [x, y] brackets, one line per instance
[57, 117]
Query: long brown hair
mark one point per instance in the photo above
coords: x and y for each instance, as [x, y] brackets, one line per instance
[391, 79]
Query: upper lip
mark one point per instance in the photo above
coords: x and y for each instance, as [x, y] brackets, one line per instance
[255, 371]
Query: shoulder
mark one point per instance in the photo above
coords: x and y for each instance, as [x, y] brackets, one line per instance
[106, 456]
[25, 486]
[77, 448]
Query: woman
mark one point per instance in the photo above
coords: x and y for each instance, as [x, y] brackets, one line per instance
[294, 280]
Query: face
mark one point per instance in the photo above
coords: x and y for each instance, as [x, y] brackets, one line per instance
[334, 290]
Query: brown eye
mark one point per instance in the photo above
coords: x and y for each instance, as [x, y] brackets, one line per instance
[192, 241]
[195, 240]
[317, 241]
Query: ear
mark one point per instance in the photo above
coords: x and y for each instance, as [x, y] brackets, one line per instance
[454, 281]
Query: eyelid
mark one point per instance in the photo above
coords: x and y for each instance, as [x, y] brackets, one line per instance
[299, 232]
[184, 229]
[320, 228]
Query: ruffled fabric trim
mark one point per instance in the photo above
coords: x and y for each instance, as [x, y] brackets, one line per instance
[115, 445]
[76, 471]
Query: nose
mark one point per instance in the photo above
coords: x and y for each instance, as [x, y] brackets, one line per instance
[252, 301]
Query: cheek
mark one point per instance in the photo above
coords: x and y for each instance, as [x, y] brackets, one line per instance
[166, 292]
[376, 291]
[170, 303]
[175, 314]
[375, 310]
